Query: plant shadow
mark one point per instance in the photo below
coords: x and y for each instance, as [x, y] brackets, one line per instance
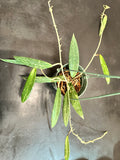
[116, 151]
[104, 158]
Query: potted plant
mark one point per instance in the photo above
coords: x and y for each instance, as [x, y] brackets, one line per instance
[70, 80]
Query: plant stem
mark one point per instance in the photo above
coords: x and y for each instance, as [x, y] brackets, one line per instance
[58, 37]
[79, 138]
[87, 142]
[99, 43]
[56, 30]
[50, 77]
[94, 75]
[101, 96]
[56, 64]
[98, 46]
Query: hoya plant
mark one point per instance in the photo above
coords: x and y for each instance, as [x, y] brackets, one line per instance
[70, 80]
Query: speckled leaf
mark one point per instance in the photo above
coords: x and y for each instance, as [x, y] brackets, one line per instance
[30, 62]
[73, 56]
[42, 79]
[66, 109]
[35, 63]
[28, 85]
[67, 148]
[56, 108]
[104, 68]
[75, 103]
[103, 24]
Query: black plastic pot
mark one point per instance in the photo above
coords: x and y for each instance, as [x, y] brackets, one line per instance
[83, 79]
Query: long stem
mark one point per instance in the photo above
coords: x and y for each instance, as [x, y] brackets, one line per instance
[101, 96]
[56, 30]
[95, 75]
[79, 138]
[98, 46]
[99, 43]
[87, 142]
[58, 37]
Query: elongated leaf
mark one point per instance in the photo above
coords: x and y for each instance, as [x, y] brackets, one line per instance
[104, 68]
[42, 79]
[75, 103]
[56, 108]
[30, 62]
[35, 63]
[28, 85]
[103, 24]
[66, 109]
[67, 148]
[73, 56]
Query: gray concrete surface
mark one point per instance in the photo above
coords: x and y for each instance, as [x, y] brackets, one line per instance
[26, 30]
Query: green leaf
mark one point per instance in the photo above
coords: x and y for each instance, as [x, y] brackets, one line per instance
[67, 148]
[10, 61]
[35, 63]
[104, 68]
[28, 85]
[56, 108]
[30, 62]
[75, 103]
[73, 56]
[42, 79]
[66, 109]
[103, 24]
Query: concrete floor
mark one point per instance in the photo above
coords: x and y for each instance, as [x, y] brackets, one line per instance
[26, 30]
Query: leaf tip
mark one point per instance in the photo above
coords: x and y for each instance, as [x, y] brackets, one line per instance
[52, 125]
[108, 81]
[73, 35]
[82, 116]
[23, 99]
